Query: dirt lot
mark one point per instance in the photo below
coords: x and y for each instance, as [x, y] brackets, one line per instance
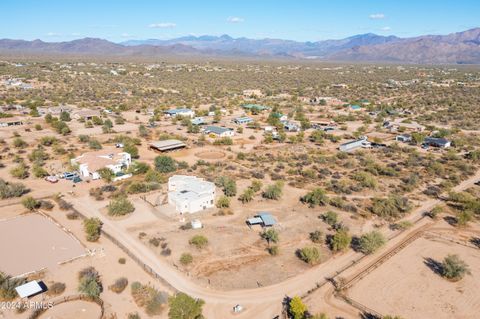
[407, 287]
[73, 309]
[46, 245]
[236, 256]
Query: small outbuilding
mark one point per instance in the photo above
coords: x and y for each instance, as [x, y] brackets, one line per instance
[219, 131]
[29, 289]
[167, 145]
[263, 218]
[437, 142]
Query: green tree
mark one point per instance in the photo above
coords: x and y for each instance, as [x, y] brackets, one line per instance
[90, 283]
[182, 306]
[270, 235]
[371, 242]
[297, 308]
[65, 116]
[106, 173]
[131, 149]
[165, 164]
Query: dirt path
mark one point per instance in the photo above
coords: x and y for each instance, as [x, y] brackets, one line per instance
[264, 302]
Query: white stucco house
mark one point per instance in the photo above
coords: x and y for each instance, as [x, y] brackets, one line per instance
[190, 194]
[89, 163]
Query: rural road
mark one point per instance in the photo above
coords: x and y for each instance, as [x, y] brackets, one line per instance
[264, 302]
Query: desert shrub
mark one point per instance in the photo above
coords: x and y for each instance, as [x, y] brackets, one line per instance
[63, 205]
[186, 259]
[93, 228]
[340, 240]
[122, 261]
[89, 282]
[296, 308]
[454, 268]
[30, 203]
[371, 242]
[20, 171]
[223, 202]
[141, 187]
[106, 174]
[390, 208]
[133, 315]
[316, 236]
[9, 190]
[247, 195]
[310, 255]
[119, 285]
[365, 179]
[199, 241]
[330, 217]
[152, 300]
[316, 197]
[228, 185]
[56, 289]
[270, 235]
[273, 250]
[273, 191]
[120, 207]
[181, 304]
[19, 143]
[223, 141]
[39, 171]
[8, 285]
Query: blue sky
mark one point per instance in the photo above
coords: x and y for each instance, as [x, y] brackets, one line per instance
[303, 20]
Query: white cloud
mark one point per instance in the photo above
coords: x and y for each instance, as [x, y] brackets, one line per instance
[163, 25]
[377, 16]
[53, 34]
[235, 19]
[386, 29]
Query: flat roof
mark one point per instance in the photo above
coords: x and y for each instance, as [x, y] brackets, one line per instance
[29, 289]
[167, 144]
[174, 111]
[217, 129]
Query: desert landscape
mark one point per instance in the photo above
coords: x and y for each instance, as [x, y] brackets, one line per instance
[230, 177]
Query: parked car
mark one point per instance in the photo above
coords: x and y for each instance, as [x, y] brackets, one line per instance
[51, 179]
[76, 179]
[69, 176]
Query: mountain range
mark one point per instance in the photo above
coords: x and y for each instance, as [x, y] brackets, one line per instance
[455, 48]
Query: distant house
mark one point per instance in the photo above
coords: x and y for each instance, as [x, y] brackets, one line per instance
[198, 120]
[394, 126]
[243, 120]
[167, 145]
[437, 142]
[291, 127]
[263, 218]
[353, 145]
[281, 117]
[10, 121]
[179, 112]
[219, 131]
[190, 194]
[90, 163]
[355, 107]
[405, 138]
[255, 107]
[86, 114]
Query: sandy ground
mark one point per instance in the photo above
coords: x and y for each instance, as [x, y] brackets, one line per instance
[429, 295]
[73, 309]
[32, 242]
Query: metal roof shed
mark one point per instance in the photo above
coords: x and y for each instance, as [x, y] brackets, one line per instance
[267, 219]
[29, 289]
